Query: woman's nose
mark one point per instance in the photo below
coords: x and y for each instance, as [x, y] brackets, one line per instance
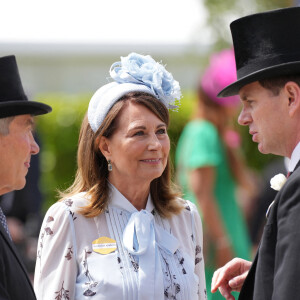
[154, 143]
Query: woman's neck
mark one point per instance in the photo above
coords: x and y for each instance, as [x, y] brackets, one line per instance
[135, 193]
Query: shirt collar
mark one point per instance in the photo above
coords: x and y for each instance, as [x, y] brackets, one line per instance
[294, 158]
[119, 201]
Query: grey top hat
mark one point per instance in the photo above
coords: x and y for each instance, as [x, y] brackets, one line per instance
[266, 45]
[13, 101]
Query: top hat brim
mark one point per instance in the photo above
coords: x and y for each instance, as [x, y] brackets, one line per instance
[16, 108]
[292, 68]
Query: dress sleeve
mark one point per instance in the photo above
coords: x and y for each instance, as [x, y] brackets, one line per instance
[198, 242]
[56, 269]
[203, 147]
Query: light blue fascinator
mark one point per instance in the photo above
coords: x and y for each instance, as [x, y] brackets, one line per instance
[134, 73]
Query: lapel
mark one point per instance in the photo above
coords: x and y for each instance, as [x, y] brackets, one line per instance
[13, 250]
[248, 286]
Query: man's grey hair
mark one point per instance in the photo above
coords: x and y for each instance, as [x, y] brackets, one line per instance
[4, 125]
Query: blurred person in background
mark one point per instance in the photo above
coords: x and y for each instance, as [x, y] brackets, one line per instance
[209, 168]
[120, 231]
[17, 145]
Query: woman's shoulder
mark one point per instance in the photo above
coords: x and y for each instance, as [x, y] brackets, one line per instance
[188, 207]
[201, 123]
[76, 201]
[72, 203]
[199, 126]
[188, 220]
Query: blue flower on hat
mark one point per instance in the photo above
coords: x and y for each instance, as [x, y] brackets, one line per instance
[144, 70]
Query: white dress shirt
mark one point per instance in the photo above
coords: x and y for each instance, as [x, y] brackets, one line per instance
[290, 165]
[294, 158]
[155, 259]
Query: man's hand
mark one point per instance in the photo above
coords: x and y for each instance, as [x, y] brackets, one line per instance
[231, 277]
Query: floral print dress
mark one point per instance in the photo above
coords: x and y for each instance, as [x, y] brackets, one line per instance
[153, 258]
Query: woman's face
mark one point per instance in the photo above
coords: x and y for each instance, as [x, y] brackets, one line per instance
[139, 147]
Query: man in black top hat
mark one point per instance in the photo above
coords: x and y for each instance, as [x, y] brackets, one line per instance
[267, 52]
[16, 147]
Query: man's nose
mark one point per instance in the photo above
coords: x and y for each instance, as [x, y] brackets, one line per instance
[244, 118]
[35, 149]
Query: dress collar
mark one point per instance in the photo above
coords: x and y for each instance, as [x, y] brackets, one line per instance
[294, 158]
[119, 201]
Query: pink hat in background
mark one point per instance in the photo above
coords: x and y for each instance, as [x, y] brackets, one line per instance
[220, 73]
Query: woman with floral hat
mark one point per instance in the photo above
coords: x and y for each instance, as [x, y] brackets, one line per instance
[209, 168]
[121, 231]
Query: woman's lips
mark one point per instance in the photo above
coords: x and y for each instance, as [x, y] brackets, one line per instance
[151, 160]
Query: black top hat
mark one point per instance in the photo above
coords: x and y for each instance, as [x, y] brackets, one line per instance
[13, 101]
[266, 45]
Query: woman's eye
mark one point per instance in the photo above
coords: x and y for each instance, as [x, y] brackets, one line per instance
[139, 133]
[161, 131]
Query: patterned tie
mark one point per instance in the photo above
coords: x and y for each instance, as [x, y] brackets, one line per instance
[3, 222]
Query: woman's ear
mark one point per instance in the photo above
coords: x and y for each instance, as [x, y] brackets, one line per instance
[292, 91]
[103, 145]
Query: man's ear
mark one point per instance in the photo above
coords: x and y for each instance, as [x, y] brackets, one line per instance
[292, 90]
[103, 145]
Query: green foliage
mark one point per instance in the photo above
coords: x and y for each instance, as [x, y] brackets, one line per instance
[179, 118]
[58, 133]
[222, 13]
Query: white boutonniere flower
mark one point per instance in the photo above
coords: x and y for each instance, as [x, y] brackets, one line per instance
[278, 181]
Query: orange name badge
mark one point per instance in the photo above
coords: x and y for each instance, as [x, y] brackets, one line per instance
[104, 245]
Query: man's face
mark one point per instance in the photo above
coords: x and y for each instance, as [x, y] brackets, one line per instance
[266, 115]
[16, 149]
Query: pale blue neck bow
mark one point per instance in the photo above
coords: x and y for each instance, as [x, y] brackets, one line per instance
[142, 237]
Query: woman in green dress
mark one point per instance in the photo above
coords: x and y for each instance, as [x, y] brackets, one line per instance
[209, 169]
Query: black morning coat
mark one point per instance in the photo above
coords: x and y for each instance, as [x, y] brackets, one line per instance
[275, 272]
[14, 281]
